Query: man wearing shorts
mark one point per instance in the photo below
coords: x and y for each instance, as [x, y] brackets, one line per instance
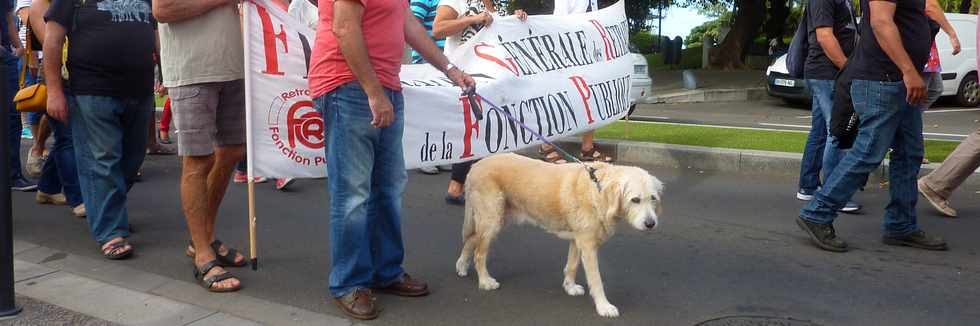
[203, 68]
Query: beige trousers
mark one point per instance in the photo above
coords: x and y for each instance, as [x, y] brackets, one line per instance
[957, 167]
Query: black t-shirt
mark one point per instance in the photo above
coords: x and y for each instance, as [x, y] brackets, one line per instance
[827, 13]
[110, 50]
[871, 62]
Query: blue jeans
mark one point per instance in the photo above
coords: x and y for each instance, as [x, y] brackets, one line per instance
[367, 177]
[12, 69]
[887, 121]
[821, 152]
[110, 144]
[59, 173]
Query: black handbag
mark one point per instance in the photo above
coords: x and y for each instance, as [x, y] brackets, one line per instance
[844, 121]
[798, 48]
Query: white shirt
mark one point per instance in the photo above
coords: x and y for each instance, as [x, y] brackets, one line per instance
[305, 11]
[468, 8]
[568, 7]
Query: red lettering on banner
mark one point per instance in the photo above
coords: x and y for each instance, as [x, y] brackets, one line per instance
[509, 65]
[306, 128]
[269, 37]
[605, 38]
[471, 126]
[585, 93]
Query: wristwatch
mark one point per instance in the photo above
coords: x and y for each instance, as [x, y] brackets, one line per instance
[449, 67]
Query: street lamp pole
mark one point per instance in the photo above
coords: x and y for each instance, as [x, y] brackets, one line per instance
[7, 305]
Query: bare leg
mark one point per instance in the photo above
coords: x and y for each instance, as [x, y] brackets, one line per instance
[590, 260]
[194, 199]
[588, 141]
[41, 133]
[455, 188]
[571, 270]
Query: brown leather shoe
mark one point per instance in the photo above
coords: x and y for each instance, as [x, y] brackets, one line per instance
[407, 287]
[358, 304]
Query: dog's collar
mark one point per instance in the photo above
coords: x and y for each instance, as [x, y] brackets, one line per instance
[592, 176]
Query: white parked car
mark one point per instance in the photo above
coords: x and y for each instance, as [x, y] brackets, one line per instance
[640, 82]
[959, 72]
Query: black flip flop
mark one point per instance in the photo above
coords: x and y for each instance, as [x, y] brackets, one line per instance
[207, 282]
[111, 253]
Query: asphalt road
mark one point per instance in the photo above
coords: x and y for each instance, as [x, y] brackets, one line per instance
[727, 246]
[942, 121]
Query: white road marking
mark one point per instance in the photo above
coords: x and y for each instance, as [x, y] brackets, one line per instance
[804, 117]
[784, 125]
[943, 135]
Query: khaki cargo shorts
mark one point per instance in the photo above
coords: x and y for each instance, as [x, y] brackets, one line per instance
[208, 115]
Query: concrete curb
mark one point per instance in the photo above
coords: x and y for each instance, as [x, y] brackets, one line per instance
[124, 295]
[700, 158]
[708, 96]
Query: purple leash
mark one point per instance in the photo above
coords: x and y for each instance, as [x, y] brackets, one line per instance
[472, 96]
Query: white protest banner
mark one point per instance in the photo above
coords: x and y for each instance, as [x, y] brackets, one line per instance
[559, 75]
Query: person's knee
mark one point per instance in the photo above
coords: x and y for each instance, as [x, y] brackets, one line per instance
[197, 166]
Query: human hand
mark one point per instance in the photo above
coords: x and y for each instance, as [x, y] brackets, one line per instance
[915, 88]
[460, 78]
[382, 112]
[57, 106]
[521, 15]
[485, 18]
[956, 44]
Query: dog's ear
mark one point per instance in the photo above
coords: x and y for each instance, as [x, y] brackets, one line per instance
[613, 189]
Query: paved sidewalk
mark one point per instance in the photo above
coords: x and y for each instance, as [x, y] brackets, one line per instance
[55, 287]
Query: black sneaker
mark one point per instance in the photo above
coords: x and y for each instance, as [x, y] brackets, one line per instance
[918, 239]
[823, 235]
[21, 184]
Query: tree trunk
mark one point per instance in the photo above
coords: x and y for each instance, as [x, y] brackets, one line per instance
[776, 25]
[731, 53]
[965, 6]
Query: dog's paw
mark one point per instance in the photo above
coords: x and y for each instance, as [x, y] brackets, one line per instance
[574, 289]
[462, 267]
[607, 310]
[489, 284]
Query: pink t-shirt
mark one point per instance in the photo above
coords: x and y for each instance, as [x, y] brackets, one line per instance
[383, 25]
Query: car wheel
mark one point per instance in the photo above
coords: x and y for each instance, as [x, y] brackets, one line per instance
[969, 91]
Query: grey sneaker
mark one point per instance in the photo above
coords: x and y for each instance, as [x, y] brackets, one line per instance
[917, 239]
[429, 170]
[823, 235]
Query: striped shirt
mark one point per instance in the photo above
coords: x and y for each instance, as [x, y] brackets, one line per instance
[425, 12]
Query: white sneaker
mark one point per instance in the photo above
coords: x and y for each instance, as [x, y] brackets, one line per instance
[429, 170]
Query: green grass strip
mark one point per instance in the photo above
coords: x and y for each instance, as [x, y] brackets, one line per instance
[736, 138]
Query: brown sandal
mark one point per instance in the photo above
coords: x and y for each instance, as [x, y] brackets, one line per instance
[595, 155]
[551, 155]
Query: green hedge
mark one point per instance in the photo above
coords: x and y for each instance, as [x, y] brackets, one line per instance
[690, 59]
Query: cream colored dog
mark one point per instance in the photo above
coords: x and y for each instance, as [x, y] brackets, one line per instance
[563, 200]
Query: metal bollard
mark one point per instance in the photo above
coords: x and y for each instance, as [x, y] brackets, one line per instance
[690, 82]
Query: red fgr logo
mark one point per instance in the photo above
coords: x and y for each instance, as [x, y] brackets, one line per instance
[296, 129]
[304, 126]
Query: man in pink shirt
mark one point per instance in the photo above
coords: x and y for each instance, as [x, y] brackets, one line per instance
[354, 82]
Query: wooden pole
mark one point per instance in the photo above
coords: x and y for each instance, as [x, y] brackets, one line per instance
[252, 251]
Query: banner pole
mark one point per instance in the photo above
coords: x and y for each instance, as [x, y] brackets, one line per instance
[249, 144]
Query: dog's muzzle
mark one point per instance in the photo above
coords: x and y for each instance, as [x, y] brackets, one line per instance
[649, 223]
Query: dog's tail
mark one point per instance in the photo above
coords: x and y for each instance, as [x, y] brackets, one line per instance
[469, 227]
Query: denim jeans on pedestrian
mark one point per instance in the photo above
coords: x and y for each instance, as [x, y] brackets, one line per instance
[887, 121]
[820, 152]
[110, 144]
[367, 177]
[59, 173]
[11, 70]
